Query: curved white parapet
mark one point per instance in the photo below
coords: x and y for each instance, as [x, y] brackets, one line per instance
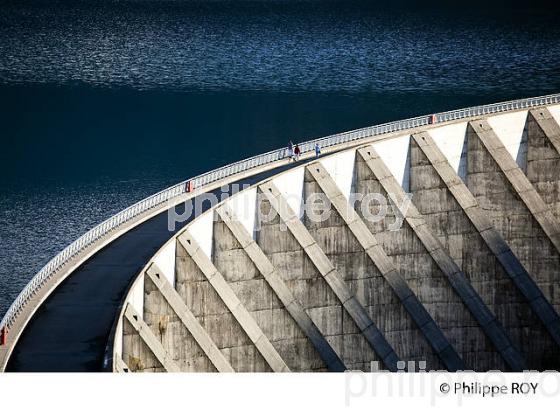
[391, 141]
[278, 156]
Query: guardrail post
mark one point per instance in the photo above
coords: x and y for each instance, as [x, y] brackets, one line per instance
[3, 336]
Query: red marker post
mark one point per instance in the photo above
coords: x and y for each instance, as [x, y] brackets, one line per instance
[3, 336]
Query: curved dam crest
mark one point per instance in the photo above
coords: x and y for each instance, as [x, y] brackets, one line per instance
[459, 273]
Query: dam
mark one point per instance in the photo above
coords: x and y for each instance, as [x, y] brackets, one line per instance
[438, 243]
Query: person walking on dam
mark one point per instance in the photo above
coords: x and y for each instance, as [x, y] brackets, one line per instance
[317, 150]
[297, 152]
[291, 150]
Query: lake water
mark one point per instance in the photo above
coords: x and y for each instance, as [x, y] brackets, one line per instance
[103, 102]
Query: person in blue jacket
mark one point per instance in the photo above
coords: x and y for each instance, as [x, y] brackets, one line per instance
[317, 150]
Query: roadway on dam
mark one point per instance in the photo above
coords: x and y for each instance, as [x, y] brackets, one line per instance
[72, 330]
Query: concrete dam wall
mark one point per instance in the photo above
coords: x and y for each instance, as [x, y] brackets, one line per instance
[431, 243]
[464, 275]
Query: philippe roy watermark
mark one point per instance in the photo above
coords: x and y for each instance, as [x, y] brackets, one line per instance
[435, 385]
[315, 207]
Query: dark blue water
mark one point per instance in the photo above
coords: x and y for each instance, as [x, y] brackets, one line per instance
[103, 103]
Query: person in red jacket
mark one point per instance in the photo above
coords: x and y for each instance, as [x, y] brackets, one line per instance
[297, 152]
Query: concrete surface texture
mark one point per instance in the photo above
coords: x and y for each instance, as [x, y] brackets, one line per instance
[469, 280]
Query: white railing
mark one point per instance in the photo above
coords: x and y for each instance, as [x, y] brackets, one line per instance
[86, 240]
